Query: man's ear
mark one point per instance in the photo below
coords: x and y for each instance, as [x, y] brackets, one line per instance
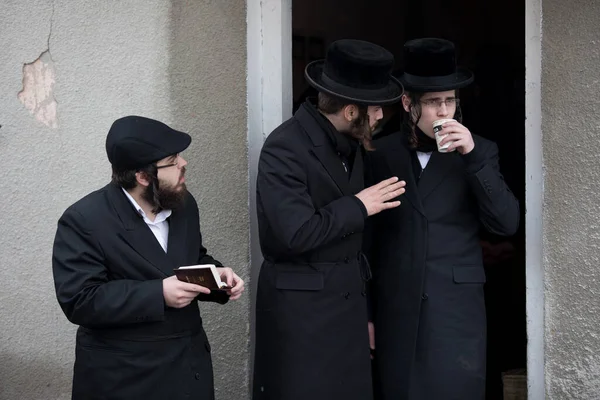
[406, 103]
[142, 179]
[350, 112]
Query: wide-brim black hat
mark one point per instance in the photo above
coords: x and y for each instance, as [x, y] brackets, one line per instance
[430, 66]
[357, 71]
[135, 142]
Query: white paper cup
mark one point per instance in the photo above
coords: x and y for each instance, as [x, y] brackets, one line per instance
[437, 127]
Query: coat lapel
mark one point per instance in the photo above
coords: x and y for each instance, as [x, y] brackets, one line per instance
[137, 234]
[323, 150]
[398, 158]
[437, 168]
[334, 167]
[357, 178]
[177, 236]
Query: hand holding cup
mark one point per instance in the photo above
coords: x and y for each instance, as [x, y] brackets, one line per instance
[451, 135]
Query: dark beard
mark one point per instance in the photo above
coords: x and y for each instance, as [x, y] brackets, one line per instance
[360, 129]
[163, 197]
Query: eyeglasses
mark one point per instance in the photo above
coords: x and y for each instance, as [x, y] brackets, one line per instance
[437, 103]
[175, 164]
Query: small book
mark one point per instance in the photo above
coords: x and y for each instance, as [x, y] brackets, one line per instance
[204, 275]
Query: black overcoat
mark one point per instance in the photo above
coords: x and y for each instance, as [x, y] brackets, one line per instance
[311, 314]
[108, 270]
[428, 276]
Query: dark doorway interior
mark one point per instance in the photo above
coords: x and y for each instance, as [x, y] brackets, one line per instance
[490, 37]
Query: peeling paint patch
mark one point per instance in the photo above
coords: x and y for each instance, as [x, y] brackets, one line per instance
[38, 85]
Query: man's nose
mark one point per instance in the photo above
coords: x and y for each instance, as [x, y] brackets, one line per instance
[443, 109]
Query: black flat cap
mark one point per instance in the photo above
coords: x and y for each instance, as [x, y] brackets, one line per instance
[134, 142]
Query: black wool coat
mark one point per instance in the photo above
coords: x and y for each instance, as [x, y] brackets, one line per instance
[311, 312]
[108, 270]
[428, 276]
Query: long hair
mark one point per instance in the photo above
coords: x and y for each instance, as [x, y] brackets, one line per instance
[126, 178]
[413, 116]
[328, 104]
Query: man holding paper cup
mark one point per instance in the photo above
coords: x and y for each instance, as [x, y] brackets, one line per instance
[429, 318]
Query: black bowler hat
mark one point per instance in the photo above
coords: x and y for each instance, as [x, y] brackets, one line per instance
[357, 71]
[134, 142]
[430, 66]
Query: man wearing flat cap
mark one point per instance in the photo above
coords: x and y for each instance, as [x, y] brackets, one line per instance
[140, 333]
[311, 312]
[428, 276]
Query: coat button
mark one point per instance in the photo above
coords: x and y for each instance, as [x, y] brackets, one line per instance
[425, 296]
[197, 376]
[346, 260]
[346, 295]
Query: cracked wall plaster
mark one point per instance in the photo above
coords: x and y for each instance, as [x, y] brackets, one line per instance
[38, 85]
[155, 58]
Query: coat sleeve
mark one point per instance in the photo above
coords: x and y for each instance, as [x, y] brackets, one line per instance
[498, 207]
[203, 256]
[216, 296]
[84, 291]
[282, 190]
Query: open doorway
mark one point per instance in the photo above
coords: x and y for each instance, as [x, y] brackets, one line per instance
[490, 40]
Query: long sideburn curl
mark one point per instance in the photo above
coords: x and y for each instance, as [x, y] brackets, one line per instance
[363, 122]
[151, 194]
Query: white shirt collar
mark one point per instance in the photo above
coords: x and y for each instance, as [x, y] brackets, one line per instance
[424, 158]
[160, 217]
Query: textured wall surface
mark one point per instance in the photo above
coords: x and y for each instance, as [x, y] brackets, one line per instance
[68, 69]
[571, 129]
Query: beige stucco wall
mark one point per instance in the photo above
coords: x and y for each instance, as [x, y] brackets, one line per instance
[571, 133]
[183, 62]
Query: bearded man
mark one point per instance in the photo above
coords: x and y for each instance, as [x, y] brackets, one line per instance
[311, 312]
[140, 334]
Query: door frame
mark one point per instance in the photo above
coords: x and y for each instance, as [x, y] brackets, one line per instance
[269, 86]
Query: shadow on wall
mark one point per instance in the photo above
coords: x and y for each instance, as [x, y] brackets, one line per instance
[207, 79]
[24, 378]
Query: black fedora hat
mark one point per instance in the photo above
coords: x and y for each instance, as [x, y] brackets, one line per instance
[430, 66]
[357, 71]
